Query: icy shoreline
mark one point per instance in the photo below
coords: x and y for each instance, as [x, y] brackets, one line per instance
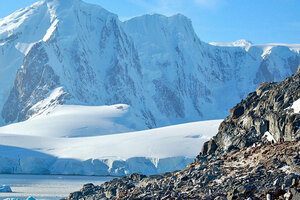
[97, 167]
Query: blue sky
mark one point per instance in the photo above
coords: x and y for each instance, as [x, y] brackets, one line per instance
[260, 21]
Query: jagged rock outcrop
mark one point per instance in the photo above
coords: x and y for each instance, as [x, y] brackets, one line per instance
[238, 163]
[265, 111]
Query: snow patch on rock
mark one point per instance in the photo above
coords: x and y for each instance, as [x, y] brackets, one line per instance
[296, 106]
[24, 48]
[269, 137]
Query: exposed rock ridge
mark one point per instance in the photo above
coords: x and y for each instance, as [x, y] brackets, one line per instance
[267, 110]
[34, 80]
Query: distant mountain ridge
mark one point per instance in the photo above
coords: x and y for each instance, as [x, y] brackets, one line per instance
[155, 64]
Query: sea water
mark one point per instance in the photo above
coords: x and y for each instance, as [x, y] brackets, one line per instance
[48, 187]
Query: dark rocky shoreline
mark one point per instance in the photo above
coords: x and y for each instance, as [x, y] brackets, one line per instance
[252, 173]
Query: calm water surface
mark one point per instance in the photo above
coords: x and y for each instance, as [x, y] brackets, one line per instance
[48, 187]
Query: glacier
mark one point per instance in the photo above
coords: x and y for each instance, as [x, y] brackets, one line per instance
[57, 150]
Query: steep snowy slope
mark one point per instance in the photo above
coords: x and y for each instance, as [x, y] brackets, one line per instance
[169, 52]
[148, 152]
[155, 64]
[204, 80]
[84, 51]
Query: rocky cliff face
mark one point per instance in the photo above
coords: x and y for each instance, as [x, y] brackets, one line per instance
[33, 82]
[267, 112]
[255, 155]
[155, 64]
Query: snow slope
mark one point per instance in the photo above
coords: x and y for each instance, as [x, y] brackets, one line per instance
[148, 152]
[74, 121]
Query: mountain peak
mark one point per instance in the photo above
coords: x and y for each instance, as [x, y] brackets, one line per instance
[67, 9]
[61, 4]
[161, 23]
[60, 1]
[180, 16]
[242, 43]
[162, 18]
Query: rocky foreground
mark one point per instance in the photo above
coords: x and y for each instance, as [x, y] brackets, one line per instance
[255, 155]
[253, 172]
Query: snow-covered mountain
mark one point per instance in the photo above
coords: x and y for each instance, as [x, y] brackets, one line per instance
[70, 52]
[80, 48]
